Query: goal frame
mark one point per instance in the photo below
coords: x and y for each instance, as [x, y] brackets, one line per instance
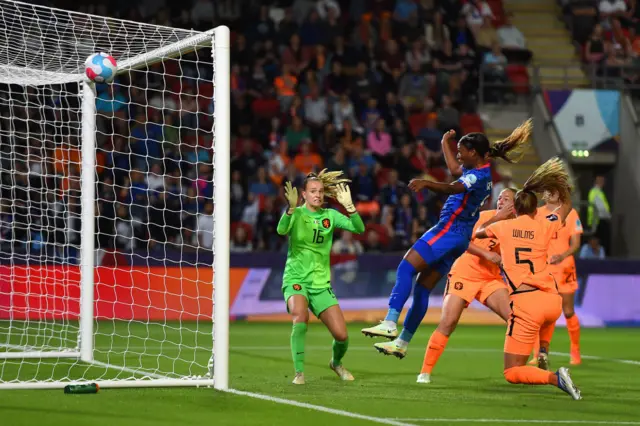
[219, 39]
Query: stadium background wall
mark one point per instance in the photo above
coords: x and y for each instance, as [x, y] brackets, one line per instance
[608, 295]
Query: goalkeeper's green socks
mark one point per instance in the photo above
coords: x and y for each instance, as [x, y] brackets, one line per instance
[298, 335]
[339, 349]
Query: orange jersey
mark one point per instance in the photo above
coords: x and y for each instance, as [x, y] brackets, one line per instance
[524, 244]
[561, 240]
[472, 266]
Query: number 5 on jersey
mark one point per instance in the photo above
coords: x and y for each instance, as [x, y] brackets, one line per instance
[317, 237]
[520, 261]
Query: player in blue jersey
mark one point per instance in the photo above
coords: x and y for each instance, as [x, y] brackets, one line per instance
[432, 255]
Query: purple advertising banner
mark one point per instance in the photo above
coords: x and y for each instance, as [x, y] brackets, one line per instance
[602, 300]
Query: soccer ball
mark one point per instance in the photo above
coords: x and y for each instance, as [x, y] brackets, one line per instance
[101, 67]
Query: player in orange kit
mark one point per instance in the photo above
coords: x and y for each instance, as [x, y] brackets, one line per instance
[563, 267]
[535, 301]
[474, 275]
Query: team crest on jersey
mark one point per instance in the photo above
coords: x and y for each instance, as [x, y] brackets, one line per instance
[326, 223]
[297, 287]
[458, 285]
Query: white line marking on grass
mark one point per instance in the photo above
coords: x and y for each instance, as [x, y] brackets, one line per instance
[321, 408]
[599, 358]
[473, 350]
[523, 421]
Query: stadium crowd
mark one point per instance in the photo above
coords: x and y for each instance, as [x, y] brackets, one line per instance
[363, 86]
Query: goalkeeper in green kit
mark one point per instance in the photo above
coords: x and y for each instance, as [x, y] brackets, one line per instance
[307, 275]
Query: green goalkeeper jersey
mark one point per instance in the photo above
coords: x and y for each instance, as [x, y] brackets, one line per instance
[310, 238]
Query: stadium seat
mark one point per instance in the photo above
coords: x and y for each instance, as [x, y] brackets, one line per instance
[470, 123]
[519, 78]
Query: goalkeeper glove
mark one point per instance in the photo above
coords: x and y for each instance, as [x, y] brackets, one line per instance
[291, 194]
[343, 195]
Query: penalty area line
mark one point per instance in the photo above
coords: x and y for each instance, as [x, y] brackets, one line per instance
[524, 421]
[321, 408]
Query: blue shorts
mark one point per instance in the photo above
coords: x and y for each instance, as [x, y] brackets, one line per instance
[440, 249]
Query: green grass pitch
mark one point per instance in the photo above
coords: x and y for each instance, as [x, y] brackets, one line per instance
[467, 388]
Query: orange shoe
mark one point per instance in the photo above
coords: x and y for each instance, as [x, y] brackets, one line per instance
[575, 357]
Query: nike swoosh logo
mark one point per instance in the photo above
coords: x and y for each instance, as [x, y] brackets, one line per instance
[299, 353]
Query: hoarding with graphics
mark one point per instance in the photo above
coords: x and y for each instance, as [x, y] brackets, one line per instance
[585, 119]
[609, 291]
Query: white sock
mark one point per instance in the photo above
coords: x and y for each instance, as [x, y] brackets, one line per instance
[389, 324]
[402, 343]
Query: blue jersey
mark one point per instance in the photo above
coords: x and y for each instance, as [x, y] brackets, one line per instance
[460, 212]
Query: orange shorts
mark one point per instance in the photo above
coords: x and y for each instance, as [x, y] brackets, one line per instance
[533, 318]
[469, 289]
[566, 278]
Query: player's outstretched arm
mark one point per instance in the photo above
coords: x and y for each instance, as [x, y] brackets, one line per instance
[353, 223]
[418, 185]
[503, 214]
[449, 156]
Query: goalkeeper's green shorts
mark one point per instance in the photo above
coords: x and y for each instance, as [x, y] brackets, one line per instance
[319, 299]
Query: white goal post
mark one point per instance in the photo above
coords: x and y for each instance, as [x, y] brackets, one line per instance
[110, 245]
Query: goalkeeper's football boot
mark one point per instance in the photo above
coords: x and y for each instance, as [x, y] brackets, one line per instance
[384, 329]
[392, 348]
[566, 384]
[299, 379]
[342, 372]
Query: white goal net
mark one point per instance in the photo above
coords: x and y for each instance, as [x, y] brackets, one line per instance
[107, 224]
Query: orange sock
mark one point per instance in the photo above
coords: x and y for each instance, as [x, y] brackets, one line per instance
[573, 327]
[528, 376]
[435, 347]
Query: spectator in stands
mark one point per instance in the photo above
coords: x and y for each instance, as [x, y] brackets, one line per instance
[364, 184]
[400, 223]
[514, 45]
[418, 55]
[371, 115]
[344, 111]
[347, 245]
[413, 87]
[476, 12]
[285, 85]
[379, 143]
[448, 116]
[307, 161]
[448, 70]
[266, 235]
[599, 213]
[297, 133]
[437, 31]
[611, 13]
[316, 110]
[495, 73]
[204, 226]
[461, 34]
[262, 186]
[486, 36]
[400, 135]
[592, 249]
[372, 243]
[421, 223]
[239, 242]
[595, 49]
